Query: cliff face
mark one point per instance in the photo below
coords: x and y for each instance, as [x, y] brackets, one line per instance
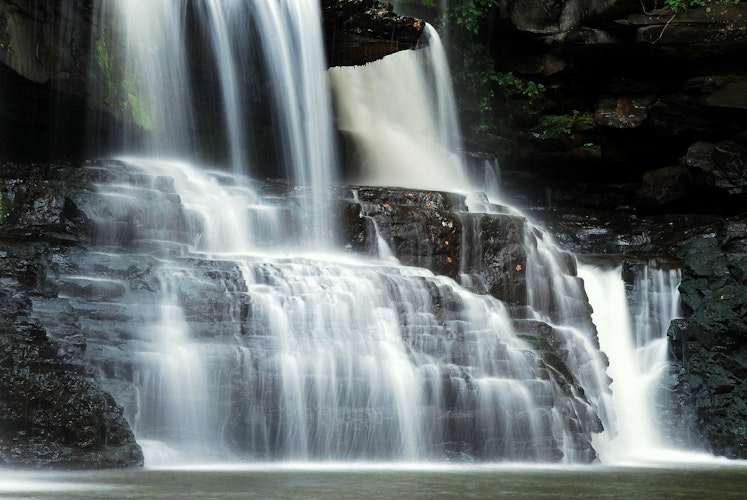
[53, 413]
[361, 31]
[711, 344]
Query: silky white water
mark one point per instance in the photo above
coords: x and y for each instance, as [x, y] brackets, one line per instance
[162, 101]
[311, 357]
[635, 339]
[233, 341]
[405, 133]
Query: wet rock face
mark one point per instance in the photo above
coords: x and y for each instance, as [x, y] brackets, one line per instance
[720, 167]
[46, 73]
[361, 31]
[53, 412]
[711, 344]
[432, 229]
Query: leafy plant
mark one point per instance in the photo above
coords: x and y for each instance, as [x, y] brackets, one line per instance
[682, 5]
[468, 14]
[518, 85]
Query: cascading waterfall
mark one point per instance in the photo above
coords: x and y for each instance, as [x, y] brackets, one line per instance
[554, 295]
[249, 355]
[257, 349]
[296, 63]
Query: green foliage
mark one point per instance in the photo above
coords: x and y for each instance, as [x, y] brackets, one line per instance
[517, 85]
[469, 13]
[484, 91]
[104, 60]
[558, 126]
[682, 5]
[478, 78]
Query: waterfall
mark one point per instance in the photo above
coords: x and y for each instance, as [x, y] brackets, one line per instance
[157, 92]
[251, 355]
[632, 328]
[163, 104]
[236, 333]
[415, 117]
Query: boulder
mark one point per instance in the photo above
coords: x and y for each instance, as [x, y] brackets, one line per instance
[722, 91]
[663, 186]
[622, 111]
[722, 167]
[361, 31]
[711, 344]
[549, 16]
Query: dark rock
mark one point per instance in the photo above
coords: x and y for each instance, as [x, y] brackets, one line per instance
[361, 31]
[54, 414]
[548, 16]
[427, 229]
[587, 231]
[664, 186]
[720, 166]
[711, 344]
[53, 411]
[622, 112]
[706, 31]
[724, 91]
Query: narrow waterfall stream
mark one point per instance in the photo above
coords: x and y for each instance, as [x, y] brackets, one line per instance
[238, 332]
[632, 327]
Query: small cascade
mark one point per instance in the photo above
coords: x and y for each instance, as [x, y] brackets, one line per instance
[632, 322]
[172, 383]
[415, 117]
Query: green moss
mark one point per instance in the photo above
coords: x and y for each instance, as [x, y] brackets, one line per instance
[104, 60]
[6, 47]
[138, 107]
[554, 126]
[557, 126]
[120, 96]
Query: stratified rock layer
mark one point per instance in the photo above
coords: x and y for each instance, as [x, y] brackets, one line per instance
[53, 413]
[69, 266]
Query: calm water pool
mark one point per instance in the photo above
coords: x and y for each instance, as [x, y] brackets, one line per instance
[716, 480]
